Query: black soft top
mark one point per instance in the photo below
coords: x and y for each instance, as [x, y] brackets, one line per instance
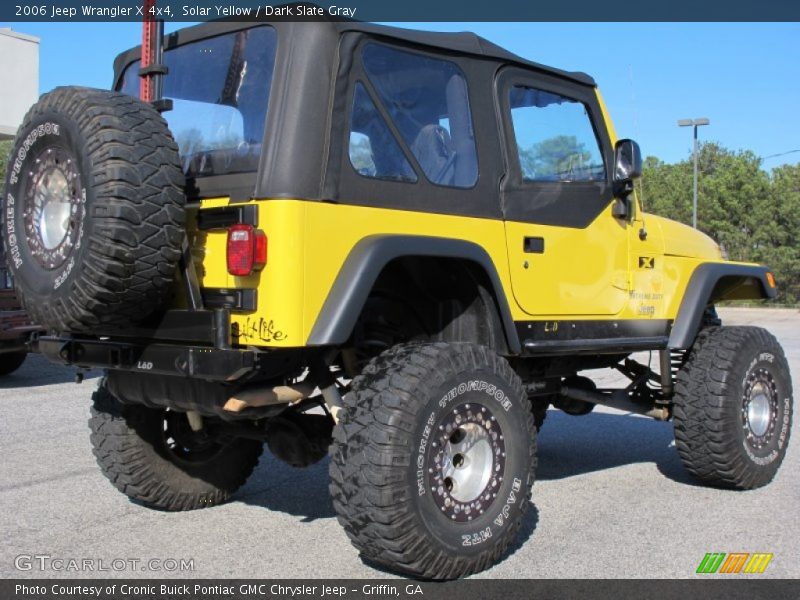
[312, 59]
[461, 43]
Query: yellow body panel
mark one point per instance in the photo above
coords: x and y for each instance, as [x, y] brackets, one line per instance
[612, 134]
[576, 265]
[682, 240]
[332, 231]
[584, 275]
[308, 243]
[280, 284]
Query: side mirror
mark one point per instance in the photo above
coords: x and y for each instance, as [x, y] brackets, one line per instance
[627, 165]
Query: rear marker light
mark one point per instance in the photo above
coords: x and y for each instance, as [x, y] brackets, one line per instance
[246, 251]
[261, 250]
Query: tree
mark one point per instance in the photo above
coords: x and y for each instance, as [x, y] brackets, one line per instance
[5, 153]
[776, 237]
[559, 157]
[733, 194]
[754, 216]
[667, 189]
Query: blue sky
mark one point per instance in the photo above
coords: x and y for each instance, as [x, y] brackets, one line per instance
[742, 76]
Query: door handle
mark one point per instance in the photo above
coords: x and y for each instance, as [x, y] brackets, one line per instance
[533, 245]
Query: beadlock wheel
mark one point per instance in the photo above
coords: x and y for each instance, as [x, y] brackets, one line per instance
[468, 462]
[759, 408]
[53, 206]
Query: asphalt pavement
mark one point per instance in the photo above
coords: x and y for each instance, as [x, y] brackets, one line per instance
[611, 500]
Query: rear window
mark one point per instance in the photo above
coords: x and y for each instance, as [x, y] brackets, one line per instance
[220, 92]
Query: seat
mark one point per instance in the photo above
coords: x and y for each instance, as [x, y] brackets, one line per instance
[434, 152]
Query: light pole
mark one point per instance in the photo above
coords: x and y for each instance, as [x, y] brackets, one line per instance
[694, 123]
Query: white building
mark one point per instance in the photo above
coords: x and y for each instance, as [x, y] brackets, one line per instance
[19, 70]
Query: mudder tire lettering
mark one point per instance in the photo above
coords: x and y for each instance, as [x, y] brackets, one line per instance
[479, 386]
[351, 236]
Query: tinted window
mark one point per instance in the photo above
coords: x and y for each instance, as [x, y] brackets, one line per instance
[220, 92]
[373, 150]
[427, 101]
[555, 138]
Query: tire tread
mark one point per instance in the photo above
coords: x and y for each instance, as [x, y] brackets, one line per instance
[370, 453]
[132, 466]
[704, 422]
[138, 213]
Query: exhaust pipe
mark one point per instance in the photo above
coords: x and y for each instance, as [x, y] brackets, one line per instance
[256, 397]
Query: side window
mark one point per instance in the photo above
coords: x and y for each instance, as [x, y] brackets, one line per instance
[555, 137]
[373, 150]
[427, 100]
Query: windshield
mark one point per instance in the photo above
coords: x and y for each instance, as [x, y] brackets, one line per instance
[220, 92]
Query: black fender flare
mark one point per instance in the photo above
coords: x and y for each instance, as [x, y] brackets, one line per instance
[364, 264]
[747, 281]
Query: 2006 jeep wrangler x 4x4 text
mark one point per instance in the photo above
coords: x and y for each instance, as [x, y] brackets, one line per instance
[398, 248]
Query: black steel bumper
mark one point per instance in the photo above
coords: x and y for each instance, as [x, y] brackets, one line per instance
[184, 343]
[213, 364]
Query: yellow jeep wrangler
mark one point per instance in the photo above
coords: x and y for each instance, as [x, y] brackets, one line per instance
[394, 247]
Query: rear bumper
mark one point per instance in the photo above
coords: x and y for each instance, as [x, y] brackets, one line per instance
[202, 362]
[180, 343]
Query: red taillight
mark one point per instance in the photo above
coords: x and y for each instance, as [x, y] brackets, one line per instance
[247, 250]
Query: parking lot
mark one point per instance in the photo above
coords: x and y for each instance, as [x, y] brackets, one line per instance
[611, 500]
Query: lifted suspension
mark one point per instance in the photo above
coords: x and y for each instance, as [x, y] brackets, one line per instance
[639, 396]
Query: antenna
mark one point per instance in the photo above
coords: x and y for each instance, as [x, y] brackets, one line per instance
[643, 230]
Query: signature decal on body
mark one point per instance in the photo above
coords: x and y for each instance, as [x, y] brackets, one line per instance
[260, 329]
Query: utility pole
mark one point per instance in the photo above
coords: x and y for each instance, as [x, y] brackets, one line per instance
[694, 123]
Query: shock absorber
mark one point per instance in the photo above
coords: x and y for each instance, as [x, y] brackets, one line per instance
[665, 368]
[670, 362]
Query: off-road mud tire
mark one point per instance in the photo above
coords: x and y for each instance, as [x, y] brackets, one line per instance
[128, 443]
[539, 406]
[712, 434]
[116, 264]
[384, 441]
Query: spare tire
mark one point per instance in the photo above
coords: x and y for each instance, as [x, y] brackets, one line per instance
[93, 215]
